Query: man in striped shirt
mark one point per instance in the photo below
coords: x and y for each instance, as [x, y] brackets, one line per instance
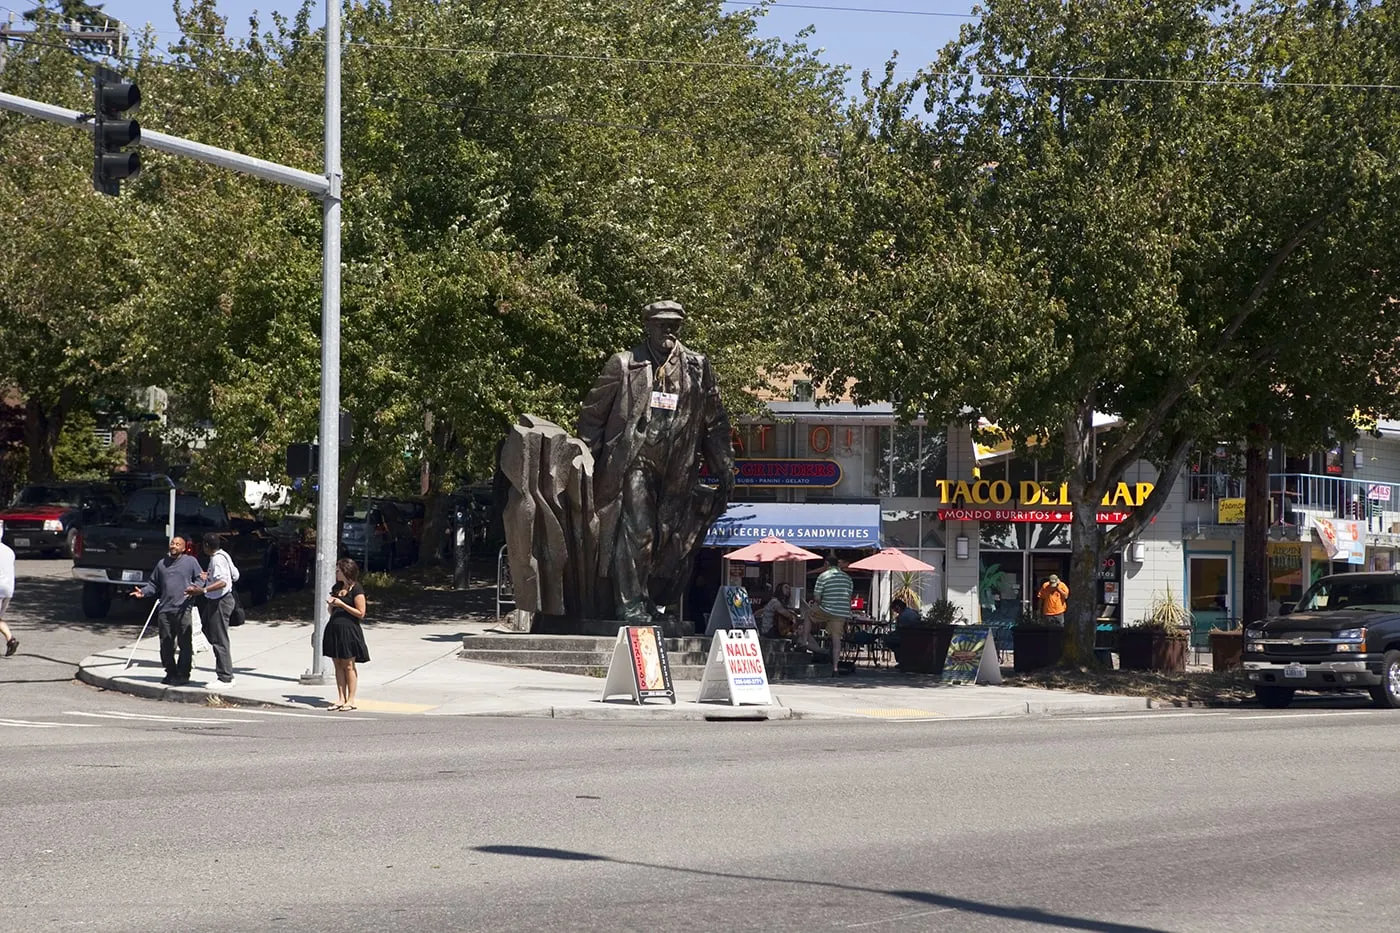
[831, 605]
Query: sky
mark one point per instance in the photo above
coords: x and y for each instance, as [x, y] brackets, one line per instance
[859, 33]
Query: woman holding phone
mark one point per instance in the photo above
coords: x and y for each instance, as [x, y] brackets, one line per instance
[344, 640]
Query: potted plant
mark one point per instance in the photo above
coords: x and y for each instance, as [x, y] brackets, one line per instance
[1157, 641]
[923, 647]
[1226, 648]
[1036, 642]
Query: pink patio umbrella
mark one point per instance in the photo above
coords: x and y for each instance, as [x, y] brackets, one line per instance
[892, 559]
[769, 549]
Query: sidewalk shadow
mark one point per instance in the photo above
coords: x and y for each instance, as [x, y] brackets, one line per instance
[317, 702]
[1022, 914]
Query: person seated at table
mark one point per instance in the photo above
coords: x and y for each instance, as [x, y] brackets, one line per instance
[776, 619]
[904, 616]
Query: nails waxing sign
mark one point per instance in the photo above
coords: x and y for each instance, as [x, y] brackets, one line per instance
[735, 671]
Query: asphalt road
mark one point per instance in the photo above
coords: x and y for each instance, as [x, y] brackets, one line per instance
[119, 814]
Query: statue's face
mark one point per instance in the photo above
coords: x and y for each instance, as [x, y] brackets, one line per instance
[662, 334]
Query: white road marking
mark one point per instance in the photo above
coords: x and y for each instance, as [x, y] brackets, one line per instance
[1353, 712]
[145, 717]
[29, 724]
[1143, 716]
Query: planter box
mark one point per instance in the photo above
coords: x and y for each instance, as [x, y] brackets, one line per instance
[923, 650]
[1225, 650]
[1145, 650]
[1037, 647]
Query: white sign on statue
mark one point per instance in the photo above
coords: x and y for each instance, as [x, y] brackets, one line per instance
[734, 671]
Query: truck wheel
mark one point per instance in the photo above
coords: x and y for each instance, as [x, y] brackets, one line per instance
[68, 542]
[1387, 695]
[97, 600]
[1274, 697]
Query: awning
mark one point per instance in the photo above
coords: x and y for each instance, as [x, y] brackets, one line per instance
[810, 524]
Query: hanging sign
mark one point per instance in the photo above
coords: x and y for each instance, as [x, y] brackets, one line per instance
[639, 668]
[734, 671]
[731, 610]
[1025, 516]
[1229, 511]
[972, 657]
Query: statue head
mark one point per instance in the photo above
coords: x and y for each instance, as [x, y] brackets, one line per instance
[663, 320]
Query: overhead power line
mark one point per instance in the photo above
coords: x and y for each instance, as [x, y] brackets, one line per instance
[850, 9]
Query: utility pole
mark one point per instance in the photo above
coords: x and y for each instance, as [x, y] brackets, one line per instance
[328, 497]
[327, 188]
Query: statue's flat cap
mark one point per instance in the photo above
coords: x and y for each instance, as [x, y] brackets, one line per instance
[663, 309]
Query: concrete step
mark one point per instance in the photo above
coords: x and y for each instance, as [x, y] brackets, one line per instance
[528, 642]
[590, 655]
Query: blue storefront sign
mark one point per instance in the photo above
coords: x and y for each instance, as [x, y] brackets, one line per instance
[808, 524]
[809, 473]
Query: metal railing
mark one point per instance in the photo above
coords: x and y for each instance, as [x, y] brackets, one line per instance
[1297, 496]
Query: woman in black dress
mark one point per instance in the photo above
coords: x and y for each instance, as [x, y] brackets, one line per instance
[344, 641]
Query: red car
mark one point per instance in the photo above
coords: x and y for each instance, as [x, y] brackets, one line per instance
[47, 517]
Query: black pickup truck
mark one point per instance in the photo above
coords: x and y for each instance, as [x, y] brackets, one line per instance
[1344, 634]
[110, 559]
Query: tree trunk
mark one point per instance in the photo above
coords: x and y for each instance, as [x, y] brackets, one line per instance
[42, 426]
[1085, 539]
[1255, 603]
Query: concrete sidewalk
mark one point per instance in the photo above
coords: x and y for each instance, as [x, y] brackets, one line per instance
[415, 670]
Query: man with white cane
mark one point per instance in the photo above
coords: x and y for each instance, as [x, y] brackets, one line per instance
[173, 582]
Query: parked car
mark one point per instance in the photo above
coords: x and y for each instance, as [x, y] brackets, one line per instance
[377, 535]
[1344, 634]
[48, 517]
[111, 558]
[415, 511]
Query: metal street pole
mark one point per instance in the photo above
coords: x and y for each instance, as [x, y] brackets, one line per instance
[328, 498]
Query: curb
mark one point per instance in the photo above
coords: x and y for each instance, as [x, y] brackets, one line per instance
[199, 695]
[678, 713]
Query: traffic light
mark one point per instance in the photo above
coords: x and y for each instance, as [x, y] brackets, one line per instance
[112, 97]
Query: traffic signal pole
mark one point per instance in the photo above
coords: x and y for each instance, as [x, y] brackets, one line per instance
[327, 188]
[328, 496]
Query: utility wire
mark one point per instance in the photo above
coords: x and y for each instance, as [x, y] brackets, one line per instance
[849, 9]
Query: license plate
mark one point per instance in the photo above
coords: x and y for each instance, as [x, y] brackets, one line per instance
[1295, 670]
[21, 542]
[131, 576]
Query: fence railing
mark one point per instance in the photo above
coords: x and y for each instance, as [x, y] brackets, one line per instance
[1296, 496]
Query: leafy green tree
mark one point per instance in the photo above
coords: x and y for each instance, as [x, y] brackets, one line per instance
[1111, 208]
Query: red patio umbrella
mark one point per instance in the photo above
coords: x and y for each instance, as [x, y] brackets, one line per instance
[769, 549]
[892, 559]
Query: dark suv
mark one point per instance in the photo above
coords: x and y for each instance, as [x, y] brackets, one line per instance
[1344, 634]
[48, 517]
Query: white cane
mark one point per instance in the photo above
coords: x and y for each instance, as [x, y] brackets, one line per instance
[142, 635]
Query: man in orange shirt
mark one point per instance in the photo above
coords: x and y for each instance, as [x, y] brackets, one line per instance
[1053, 595]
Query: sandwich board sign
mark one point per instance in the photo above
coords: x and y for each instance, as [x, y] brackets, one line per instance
[639, 668]
[972, 657]
[731, 610]
[734, 671]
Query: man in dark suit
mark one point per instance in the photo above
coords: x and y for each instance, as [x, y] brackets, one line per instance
[651, 419]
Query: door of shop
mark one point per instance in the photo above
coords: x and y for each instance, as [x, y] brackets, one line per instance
[1209, 595]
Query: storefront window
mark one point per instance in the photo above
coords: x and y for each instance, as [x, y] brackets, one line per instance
[905, 461]
[933, 459]
[1000, 587]
[1048, 537]
[932, 531]
[1286, 582]
[1003, 536]
[899, 529]
[876, 462]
